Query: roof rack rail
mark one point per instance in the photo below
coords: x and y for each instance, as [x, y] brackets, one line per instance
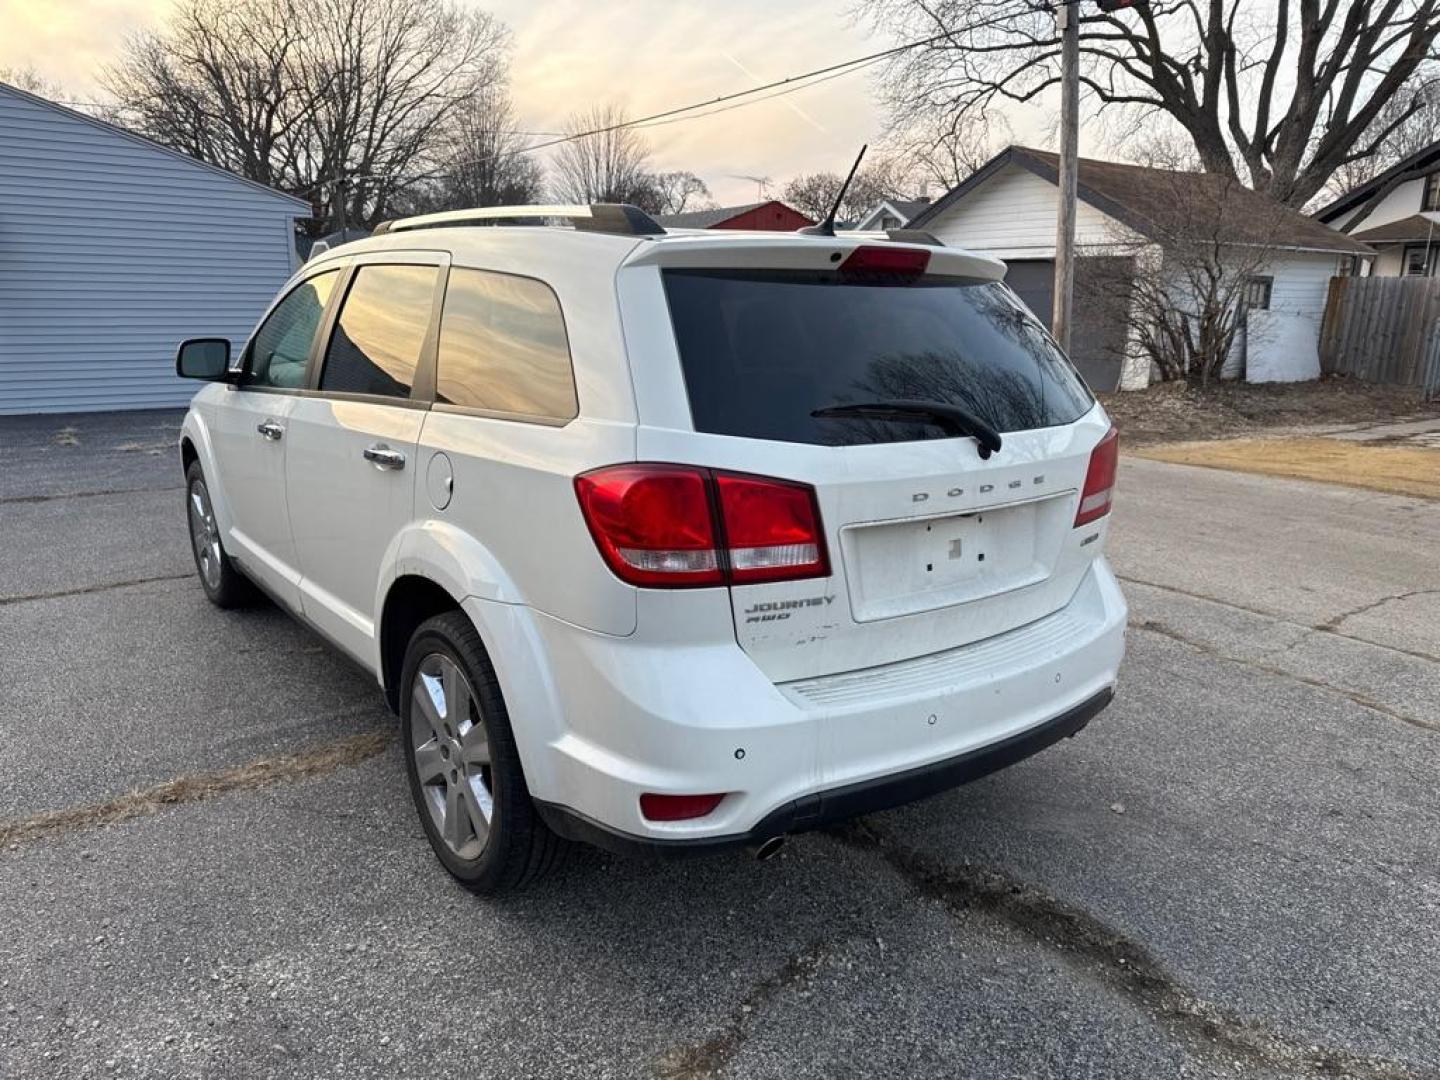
[619, 218]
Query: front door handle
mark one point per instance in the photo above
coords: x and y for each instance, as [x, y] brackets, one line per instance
[383, 457]
[270, 430]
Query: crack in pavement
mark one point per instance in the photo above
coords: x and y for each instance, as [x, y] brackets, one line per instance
[1099, 951]
[1322, 628]
[1333, 624]
[23, 499]
[87, 589]
[707, 1059]
[196, 787]
[1365, 702]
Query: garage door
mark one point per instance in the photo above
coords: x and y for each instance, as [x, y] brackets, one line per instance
[1099, 336]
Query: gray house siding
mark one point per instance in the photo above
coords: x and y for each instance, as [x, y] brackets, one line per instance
[112, 250]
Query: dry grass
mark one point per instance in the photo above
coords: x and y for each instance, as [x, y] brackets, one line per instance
[1400, 470]
[1173, 411]
[197, 787]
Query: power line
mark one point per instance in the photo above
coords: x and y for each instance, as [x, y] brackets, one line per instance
[788, 85]
[756, 101]
[852, 63]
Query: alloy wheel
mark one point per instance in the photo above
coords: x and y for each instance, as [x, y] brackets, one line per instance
[451, 749]
[205, 534]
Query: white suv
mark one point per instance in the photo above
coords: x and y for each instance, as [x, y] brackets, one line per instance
[666, 541]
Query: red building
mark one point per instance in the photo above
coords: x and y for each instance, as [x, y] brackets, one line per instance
[771, 215]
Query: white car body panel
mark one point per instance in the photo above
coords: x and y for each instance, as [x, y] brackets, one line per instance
[613, 690]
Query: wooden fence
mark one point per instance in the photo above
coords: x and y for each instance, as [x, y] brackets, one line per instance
[1384, 329]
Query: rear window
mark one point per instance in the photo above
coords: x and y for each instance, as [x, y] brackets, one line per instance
[762, 350]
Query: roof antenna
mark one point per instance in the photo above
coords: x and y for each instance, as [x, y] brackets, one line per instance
[827, 227]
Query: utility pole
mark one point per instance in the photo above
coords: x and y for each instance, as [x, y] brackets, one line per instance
[341, 197]
[1067, 20]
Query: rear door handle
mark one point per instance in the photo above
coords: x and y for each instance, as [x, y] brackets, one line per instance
[383, 457]
[270, 429]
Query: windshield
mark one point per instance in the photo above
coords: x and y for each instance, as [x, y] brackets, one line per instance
[761, 351]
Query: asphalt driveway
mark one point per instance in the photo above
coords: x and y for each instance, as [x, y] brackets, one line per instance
[1235, 871]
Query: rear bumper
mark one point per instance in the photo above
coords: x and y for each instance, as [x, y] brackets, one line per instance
[823, 808]
[601, 720]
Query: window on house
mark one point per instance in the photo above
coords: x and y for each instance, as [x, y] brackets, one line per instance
[1349, 266]
[1431, 199]
[1421, 260]
[1257, 294]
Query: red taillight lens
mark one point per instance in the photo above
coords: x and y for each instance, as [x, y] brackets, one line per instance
[886, 260]
[1099, 489]
[772, 529]
[677, 807]
[653, 523]
[674, 526]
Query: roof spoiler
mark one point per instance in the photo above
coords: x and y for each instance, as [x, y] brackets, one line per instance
[620, 219]
[914, 236]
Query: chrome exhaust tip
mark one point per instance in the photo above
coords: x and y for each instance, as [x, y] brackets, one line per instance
[767, 849]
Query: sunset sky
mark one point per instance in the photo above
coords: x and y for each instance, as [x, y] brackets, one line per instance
[649, 55]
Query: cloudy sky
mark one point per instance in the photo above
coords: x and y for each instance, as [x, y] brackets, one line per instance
[649, 55]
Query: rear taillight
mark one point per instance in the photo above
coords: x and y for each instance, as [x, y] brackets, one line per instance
[771, 528]
[653, 523]
[677, 807]
[676, 526]
[1099, 488]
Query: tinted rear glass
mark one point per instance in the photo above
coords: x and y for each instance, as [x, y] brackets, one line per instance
[761, 351]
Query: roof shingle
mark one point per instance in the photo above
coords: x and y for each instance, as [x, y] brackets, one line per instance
[1419, 228]
[1169, 206]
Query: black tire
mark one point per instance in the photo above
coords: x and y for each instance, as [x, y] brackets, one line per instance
[518, 847]
[221, 579]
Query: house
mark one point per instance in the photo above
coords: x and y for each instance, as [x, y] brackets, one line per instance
[1398, 214]
[771, 215]
[891, 214]
[1126, 216]
[112, 250]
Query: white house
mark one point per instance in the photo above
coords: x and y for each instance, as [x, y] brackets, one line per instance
[1398, 214]
[112, 250]
[891, 214]
[1126, 214]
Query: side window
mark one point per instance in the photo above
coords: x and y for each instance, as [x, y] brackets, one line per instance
[1257, 293]
[376, 344]
[1430, 198]
[503, 347]
[281, 347]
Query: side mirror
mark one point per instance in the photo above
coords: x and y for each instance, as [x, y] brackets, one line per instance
[204, 358]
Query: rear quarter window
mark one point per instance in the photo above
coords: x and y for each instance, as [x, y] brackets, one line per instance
[503, 347]
[761, 351]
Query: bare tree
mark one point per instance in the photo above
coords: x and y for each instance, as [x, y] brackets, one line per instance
[31, 81]
[944, 150]
[1285, 92]
[676, 192]
[480, 161]
[813, 194]
[611, 164]
[1180, 292]
[345, 102]
[1412, 123]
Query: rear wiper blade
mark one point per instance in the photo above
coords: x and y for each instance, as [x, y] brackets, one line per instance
[955, 420]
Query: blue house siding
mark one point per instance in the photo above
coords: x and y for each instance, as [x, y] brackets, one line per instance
[112, 250]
